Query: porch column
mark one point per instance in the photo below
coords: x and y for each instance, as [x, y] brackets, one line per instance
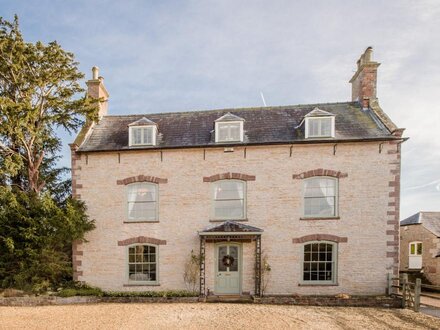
[258, 266]
[202, 266]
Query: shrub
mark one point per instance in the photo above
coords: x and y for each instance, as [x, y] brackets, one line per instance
[80, 291]
[191, 274]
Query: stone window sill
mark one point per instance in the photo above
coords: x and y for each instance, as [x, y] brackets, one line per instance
[223, 220]
[145, 221]
[141, 284]
[319, 218]
[318, 284]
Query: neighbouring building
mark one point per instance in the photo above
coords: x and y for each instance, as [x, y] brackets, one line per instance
[312, 189]
[420, 246]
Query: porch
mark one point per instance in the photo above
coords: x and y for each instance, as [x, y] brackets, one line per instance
[228, 239]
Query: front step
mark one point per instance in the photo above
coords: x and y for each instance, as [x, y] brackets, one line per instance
[243, 299]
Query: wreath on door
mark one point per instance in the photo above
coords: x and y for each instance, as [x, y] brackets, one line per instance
[228, 260]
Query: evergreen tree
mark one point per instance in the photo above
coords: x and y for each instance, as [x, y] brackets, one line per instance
[39, 85]
[39, 92]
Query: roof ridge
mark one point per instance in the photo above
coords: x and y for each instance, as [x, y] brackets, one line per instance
[233, 109]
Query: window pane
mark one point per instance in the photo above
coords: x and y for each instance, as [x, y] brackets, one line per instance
[319, 197]
[136, 135]
[326, 126]
[319, 127]
[229, 131]
[142, 201]
[233, 252]
[147, 135]
[142, 210]
[313, 127]
[413, 248]
[228, 190]
[141, 192]
[221, 254]
[419, 248]
[317, 264]
[319, 187]
[234, 132]
[229, 209]
[229, 199]
[222, 132]
[142, 263]
[306, 276]
[307, 256]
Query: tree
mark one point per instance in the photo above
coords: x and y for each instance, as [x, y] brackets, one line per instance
[39, 85]
[36, 236]
[39, 92]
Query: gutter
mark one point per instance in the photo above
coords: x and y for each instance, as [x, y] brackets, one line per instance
[223, 145]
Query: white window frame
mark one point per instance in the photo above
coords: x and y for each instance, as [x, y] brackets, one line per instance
[153, 138]
[127, 266]
[336, 180]
[334, 279]
[415, 249]
[213, 200]
[217, 131]
[415, 260]
[332, 130]
[127, 210]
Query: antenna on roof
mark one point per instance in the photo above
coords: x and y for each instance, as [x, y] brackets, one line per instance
[262, 97]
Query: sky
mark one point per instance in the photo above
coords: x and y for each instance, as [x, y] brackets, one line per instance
[164, 56]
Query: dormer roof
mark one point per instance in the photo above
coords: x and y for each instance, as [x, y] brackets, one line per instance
[229, 117]
[316, 112]
[144, 121]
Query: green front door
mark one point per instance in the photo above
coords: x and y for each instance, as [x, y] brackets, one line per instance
[228, 268]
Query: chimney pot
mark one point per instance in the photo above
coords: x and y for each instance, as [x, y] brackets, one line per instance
[97, 90]
[95, 73]
[364, 81]
[368, 54]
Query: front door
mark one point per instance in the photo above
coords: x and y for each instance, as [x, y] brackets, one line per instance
[228, 265]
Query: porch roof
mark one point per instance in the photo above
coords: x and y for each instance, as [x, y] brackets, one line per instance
[230, 228]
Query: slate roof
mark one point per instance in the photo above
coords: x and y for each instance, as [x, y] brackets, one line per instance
[429, 220]
[264, 125]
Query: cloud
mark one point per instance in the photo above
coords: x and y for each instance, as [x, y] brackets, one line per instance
[185, 55]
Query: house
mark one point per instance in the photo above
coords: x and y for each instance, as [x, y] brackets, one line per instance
[311, 189]
[420, 246]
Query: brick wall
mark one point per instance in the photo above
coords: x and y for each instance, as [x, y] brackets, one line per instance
[431, 247]
[368, 207]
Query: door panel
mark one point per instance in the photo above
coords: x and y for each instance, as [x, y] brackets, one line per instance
[228, 264]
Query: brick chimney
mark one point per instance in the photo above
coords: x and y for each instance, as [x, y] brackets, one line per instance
[364, 81]
[96, 90]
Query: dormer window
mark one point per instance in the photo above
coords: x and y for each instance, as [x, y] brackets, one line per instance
[142, 132]
[229, 128]
[319, 124]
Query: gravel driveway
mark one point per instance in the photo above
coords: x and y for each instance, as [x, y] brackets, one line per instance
[210, 316]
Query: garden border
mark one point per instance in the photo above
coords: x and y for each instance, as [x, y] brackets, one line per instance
[353, 301]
